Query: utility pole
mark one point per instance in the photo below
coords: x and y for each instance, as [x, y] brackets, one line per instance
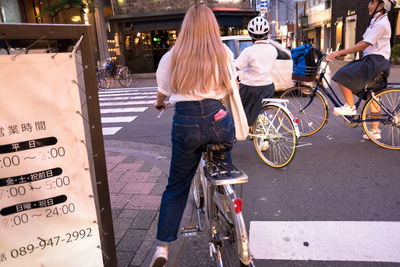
[101, 29]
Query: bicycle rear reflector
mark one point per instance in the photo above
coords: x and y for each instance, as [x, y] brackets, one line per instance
[237, 204]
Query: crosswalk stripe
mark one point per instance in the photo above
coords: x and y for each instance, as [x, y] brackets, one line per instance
[118, 119]
[326, 241]
[126, 98]
[127, 94]
[127, 103]
[105, 91]
[110, 130]
[122, 110]
[110, 99]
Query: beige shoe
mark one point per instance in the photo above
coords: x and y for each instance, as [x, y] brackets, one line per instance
[265, 146]
[160, 257]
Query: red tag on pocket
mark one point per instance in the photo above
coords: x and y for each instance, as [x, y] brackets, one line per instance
[219, 115]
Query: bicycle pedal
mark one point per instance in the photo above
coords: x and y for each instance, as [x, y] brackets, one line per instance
[190, 230]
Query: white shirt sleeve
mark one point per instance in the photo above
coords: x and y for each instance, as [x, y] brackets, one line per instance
[163, 75]
[242, 61]
[274, 53]
[373, 35]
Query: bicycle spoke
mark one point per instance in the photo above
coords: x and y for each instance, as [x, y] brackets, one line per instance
[312, 118]
[380, 113]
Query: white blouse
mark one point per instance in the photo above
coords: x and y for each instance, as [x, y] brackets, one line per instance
[163, 75]
[378, 35]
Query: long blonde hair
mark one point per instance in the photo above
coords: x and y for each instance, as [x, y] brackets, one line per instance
[199, 59]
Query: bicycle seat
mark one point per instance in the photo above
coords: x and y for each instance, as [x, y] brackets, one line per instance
[378, 83]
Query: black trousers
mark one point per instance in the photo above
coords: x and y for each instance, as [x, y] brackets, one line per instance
[252, 96]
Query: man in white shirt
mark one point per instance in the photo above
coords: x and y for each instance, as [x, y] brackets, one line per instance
[255, 65]
[375, 45]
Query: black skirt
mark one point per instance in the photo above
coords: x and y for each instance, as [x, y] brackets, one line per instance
[358, 73]
[252, 96]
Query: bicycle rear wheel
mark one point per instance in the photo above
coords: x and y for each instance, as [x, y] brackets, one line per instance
[197, 188]
[274, 136]
[103, 79]
[314, 116]
[124, 77]
[228, 230]
[388, 119]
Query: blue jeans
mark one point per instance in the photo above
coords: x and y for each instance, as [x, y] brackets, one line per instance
[192, 129]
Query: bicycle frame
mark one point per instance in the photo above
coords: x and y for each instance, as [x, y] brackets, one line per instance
[240, 228]
[281, 104]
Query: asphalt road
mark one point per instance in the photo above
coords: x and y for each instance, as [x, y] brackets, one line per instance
[334, 176]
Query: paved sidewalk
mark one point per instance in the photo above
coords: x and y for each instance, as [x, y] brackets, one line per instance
[137, 176]
[136, 185]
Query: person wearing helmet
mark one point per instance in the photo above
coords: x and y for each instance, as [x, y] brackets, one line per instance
[255, 65]
[375, 46]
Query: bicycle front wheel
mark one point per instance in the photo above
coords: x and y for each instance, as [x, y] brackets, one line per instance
[274, 136]
[103, 79]
[311, 112]
[385, 115]
[124, 77]
[229, 231]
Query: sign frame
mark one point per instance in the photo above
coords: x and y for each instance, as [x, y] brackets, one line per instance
[100, 184]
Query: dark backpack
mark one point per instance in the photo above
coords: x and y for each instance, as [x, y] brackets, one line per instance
[305, 59]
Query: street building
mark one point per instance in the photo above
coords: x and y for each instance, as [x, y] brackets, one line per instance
[281, 15]
[143, 31]
[331, 25]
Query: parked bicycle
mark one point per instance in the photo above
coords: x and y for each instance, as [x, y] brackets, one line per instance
[275, 133]
[310, 106]
[108, 72]
[215, 197]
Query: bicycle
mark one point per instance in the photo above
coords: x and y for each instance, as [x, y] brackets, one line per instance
[215, 197]
[310, 106]
[275, 133]
[108, 72]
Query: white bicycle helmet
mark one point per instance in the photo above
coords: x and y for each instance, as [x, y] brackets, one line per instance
[258, 28]
[388, 4]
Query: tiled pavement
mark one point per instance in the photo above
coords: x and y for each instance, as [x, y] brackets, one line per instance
[136, 186]
[137, 176]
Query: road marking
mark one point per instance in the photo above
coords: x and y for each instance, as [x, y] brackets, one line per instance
[126, 103]
[118, 119]
[110, 130]
[127, 94]
[326, 240]
[104, 91]
[122, 110]
[126, 98]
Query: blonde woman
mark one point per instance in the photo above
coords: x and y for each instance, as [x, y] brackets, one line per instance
[195, 75]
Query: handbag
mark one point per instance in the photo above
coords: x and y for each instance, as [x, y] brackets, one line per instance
[233, 104]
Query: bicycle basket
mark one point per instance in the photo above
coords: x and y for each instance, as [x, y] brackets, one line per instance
[304, 73]
[305, 63]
